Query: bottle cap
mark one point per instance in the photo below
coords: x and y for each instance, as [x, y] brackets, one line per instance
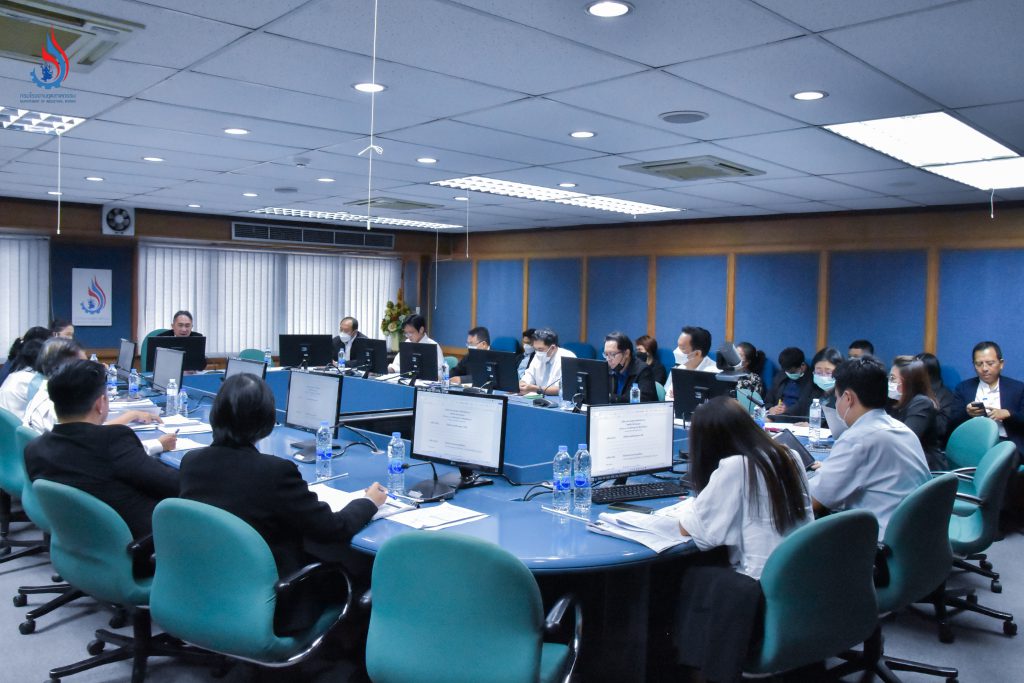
[563, 448]
[323, 423]
[396, 435]
[582, 447]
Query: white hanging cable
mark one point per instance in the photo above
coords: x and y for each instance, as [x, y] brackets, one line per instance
[467, 226]
[437, 262]
[372, 148]
[992, 205]
[59, 195]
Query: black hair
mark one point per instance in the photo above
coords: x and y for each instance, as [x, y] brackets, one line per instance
[528, 333]
[866, 377]
[58, 325]
[56, 352]
[546, 335]
[830, 354]
[981, 346]
[722, 428]
[863, 345]
[915, 379]
[700, 339]
[28, 356]
[931, 364]
[184, 313]
[75, 386]
[755, 359]
[415, 321]
[649, 343]
[622, 342]
[791, 357]
[481, 333]
[355, 323]
[40, 333]
[243, 412]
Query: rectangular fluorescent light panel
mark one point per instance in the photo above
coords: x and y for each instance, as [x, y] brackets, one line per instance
[345, 217]
[924, 139]
[506, 188]
[28, 121]
[998, 174]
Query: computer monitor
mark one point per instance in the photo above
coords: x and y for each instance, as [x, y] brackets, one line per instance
[586, 381]
[418, 359]
[239, 366]
[168, 364]
[125, 358]
[463, 430]
[629, 439]
[369, 355]
[305, 350]
[493, 370]
[312, 398]
[194, 348]
[690, 388]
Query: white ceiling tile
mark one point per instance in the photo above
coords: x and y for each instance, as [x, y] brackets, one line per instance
[965, 196]
[803, 207]
[1013, 194]
[900, 181]
[820, 15]
[249, 13]
[70, 102]
[738, 193]
[286, 174]
[459, 42]
[1000, 121]
[552, 177]
[609, 168]
[111, 77]
[769, 75]
[94, 165]
[961, 54]
[111, 151]
[814, 151]
[873, 203]
[818, 189]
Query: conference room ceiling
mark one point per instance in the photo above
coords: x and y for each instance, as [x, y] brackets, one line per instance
[494, 87]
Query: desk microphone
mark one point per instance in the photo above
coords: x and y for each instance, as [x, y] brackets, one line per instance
[749, 395]
[543, 402]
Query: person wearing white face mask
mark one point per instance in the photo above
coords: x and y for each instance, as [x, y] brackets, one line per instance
[915, 405]
[476, 338]
[527, 351]
[544, 374]
[348, 329]
[877, 461]
[691, 353]
[824, 365]
[790, 393]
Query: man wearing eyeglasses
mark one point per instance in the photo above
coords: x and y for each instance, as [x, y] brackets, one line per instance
[625, 370]
[992, 395]
[476, 338]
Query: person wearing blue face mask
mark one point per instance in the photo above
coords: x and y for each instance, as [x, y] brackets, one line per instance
[824, 364]
[790, 394]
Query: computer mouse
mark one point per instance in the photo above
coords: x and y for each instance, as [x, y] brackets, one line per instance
[542, 402]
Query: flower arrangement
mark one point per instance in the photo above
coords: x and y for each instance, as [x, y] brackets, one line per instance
[394, 313]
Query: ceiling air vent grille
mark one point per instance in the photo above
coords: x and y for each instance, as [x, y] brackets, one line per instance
[392, 204]
[694, 168]
[288, 234]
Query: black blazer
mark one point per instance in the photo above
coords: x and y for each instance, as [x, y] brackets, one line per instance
[658, 371]
[270, 495]
[803, 403]
[108, 462]
[1011, 397]
[640, 373]
[922, 417]
[338, 345]
[947, 410]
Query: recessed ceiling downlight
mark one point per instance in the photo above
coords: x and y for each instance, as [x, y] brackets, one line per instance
[683, 116]
[609, 9]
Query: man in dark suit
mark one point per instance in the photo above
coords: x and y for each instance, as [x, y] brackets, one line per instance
[626, 370]
[348, 329]
[790, 393]
[181, 326]
[1000, 398]
[476, 338]
[106, 461]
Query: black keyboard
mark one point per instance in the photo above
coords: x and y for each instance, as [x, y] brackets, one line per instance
[604, 495]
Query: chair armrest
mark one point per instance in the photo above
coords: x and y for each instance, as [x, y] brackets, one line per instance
[881, 575]
[315, 571]
[142, 552]
[962, 473]
[553, 627]
[970, 499]
[366, 601]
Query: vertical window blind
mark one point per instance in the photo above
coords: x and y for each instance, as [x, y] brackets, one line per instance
[245, 299]
[25, 283]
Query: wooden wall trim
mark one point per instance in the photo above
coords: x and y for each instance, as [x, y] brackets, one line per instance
[526, 292]
[584, 278]
[730, 296]
[652, 295]
[931, 302]
[823, 291]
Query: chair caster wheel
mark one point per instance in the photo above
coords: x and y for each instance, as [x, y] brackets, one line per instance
[118, 620]
[972, 598]
[26, 627]
[95, 647]
[952, 680]
[997, 587]
[56, 578]
[53, 680]
[946, 634]
[20, 600]
[986, 565]
[6, 550]
[1009, 628]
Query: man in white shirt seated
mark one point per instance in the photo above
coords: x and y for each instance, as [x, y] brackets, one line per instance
[544, 373]
[691, 353]
[878, 461]
[415, 330]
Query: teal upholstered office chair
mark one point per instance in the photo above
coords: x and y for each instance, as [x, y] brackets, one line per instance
[506, 344]
[660, 389]
[451, 362]
[251, 354]
[12, 480]
[970, 441]
[464, 611]
[819, 593]
[144, 350]
[93, 549]
[917, 560]
[216, 586]
[581, 349]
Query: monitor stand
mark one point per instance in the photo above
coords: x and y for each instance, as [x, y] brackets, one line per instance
[444, 488]
[306, 450]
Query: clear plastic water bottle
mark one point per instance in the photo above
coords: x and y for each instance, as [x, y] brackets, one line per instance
[171, 407]
[446, 380]
[760, 416]
[183, 403]
[133, 384]
[267, 358]
[93, 358]
[323, 451]
[634, 393]
[396, 463]
[581, 492]
[111, 382]
[561, 479]
[815, 421]
[341, 359]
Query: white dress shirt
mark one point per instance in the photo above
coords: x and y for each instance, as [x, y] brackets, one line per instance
[705, 365]
[874, 465]
[547, 374]
[397, 367]
[18, 389]
[722, 514]
[990, 397]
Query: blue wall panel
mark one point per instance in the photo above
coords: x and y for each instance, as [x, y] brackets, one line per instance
[878, 296]
[691, 291]
[555, 296]
[499, 297]
[450, 320]
[117, 258]
[616, 297]
[411, 283]
[777, 302]
[981, 295]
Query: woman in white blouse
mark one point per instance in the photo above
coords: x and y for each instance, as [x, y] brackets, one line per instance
[750, 490]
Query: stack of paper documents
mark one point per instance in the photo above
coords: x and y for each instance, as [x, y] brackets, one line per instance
[185, 444]
[338, 499]
[657, 532]
[124, 405]
[183, 425]
[437, 517]
[801, 430]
